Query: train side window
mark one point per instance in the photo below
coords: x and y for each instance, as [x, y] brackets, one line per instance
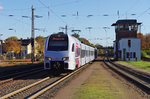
[78, 51]
[72, 47]
[82, 53]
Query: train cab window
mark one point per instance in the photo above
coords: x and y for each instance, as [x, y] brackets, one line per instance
[72, 47]
[58, 43]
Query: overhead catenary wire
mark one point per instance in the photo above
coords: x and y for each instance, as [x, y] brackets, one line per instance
[133, 5]
[13, 17]
[131, 8]
[52, 11]
[143, 12]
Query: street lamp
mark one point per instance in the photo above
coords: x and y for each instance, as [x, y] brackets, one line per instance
[89, 28]
[105, 15]
[11, 29]
[63, 15]
[89, 16]
[105, 29]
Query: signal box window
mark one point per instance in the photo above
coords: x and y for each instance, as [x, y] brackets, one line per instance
[134, 55]
[131, 55]
[127, 54]
[129, 43]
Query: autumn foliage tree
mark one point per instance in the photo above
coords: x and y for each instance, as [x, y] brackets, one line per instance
[12, 45]
[40, 48]
[84, 40]
[145, 41]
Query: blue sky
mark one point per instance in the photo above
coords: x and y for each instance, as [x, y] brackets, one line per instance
[52, 20]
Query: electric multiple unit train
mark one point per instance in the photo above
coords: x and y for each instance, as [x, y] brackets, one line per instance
[63, 51]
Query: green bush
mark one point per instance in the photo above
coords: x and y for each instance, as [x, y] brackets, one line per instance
[143, 54]
[147, 51]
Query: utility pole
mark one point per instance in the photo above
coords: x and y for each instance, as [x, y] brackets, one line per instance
[32, 37]
[1, 52]
[66, 28]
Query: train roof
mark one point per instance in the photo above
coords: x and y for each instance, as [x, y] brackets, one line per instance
[59, 34]
[63, 34]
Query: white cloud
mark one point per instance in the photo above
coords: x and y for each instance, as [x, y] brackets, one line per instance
[1, 7]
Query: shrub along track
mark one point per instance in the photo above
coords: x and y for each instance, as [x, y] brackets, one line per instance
[140, 79]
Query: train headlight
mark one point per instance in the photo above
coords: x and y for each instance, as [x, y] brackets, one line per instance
[65, 58]
[48, 58]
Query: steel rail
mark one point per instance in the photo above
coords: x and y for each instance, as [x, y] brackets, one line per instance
[137, 73]
[56, 83]
[19, 73]
[23, 89]
[43, 90]
[135, 79]
[23, 75]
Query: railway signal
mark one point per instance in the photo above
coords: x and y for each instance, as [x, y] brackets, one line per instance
[129, 43]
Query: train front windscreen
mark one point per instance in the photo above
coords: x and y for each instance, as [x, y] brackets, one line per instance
[58, 43]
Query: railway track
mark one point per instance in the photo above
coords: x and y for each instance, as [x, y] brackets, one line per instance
[38, 88]
[11, 77]
[140, 79]
[8, 70]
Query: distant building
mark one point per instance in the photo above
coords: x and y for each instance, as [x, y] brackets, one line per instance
[0, 47]
[1, 50]
[127, 46]
[26, 52]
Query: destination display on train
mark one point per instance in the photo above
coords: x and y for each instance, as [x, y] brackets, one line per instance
[55, 38]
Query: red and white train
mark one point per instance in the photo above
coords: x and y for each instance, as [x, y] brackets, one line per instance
[63, 51]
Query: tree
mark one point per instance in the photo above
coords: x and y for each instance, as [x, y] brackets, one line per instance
[92, 45]
[12, 45]
[147, 40]
[98, 46]
[99, 49]
[12, 38]
[40, 48]
[76, 35]
[143, 40]
[85, 41]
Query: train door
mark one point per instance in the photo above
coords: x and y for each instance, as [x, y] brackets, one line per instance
[85, 54]
[77, 56]
[72, 56]
[80, 55]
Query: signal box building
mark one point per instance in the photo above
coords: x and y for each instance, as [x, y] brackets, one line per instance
[129, 49]
[127, 46]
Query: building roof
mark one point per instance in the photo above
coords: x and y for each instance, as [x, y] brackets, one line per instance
[126, 21]
[25, 42]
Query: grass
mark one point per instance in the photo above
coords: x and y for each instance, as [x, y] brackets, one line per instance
[97, 87]
[147, 56]
[141, 64]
